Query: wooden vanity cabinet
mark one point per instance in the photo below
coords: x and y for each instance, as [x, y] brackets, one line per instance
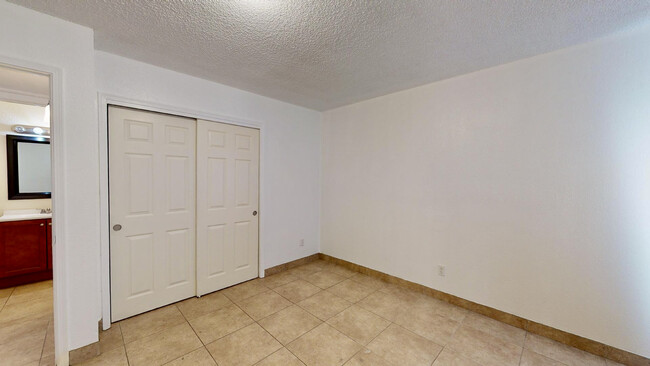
[49, 243]
[25, 252]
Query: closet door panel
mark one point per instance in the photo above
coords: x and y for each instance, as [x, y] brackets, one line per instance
[152, 210]
[227, 191]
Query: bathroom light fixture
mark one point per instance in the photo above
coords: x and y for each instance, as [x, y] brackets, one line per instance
[31, 130]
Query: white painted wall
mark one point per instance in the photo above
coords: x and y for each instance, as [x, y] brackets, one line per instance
[292, 145]
[37, 38]
[291, 155]
[530, 181]
[11, 114]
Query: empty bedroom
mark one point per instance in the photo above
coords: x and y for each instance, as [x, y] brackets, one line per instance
[325, 183]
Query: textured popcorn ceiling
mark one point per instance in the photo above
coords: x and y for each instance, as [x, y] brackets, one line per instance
[327, 53]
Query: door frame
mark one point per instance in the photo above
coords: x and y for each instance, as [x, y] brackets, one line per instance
[57, 142]
[107, 99]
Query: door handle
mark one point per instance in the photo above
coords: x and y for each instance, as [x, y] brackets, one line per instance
[117, 227]
[254, 213]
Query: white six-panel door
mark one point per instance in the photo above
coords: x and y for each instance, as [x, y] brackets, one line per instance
[152, 210]
[227, 203]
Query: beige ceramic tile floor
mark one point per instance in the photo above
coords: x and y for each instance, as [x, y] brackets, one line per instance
[316, 314]
[27, 325]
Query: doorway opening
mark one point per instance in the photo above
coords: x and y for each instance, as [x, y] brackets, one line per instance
[26, 212]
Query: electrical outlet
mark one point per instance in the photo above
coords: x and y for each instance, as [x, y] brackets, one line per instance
[301, 243]
[442, 270]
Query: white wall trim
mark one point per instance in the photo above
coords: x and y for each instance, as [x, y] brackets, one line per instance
[106, 99]
[60, 283]
[23, 97]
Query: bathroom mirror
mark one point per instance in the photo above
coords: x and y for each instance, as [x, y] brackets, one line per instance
[28, 167]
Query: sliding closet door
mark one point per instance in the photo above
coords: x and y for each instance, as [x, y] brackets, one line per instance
[227, 203]
[152, 210]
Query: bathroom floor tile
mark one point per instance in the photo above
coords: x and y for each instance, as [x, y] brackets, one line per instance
[25, 310]
[48, 346]
[36, 286]
[36, 295]
[6, 292]
[23, 350]
[20, 328]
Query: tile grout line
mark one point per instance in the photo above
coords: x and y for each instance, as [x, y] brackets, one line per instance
[522, 348]
[125, 353]
[460, 324]
[123, 343]
[197, 335]
[277, 340]
[160, 331]
[8, 297]
[44, 341]
[378, 334]
[191, 327]
[396, 324]
[364, 347]
[269, 333]
[152, 334]
[322, 321]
